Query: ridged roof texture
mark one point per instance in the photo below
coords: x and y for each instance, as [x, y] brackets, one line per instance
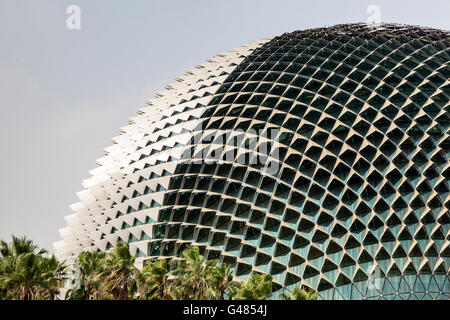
[121, 199]
[352, 197]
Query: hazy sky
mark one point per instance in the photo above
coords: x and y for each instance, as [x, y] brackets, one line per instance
[65, 93]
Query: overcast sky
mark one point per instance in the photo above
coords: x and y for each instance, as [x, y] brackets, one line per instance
[65, 93]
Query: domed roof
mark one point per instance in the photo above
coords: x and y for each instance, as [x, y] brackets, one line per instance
[319, 156]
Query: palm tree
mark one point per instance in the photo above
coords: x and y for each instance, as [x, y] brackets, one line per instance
[53, 275]
[153, 280]
[193, 276]
[258, 287]
[118, 273]
[299, 294]
[222, 276]
[31, 276]
[86, 283]
[19, 246]
[26, 273]
[19, 276]
[5, 267]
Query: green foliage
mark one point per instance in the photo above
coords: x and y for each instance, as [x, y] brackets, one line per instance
[19, 246]
[258, 287]
[27, 273]
[194, 276]
[222, 277]
[299, 294]
[152, 280]
[118, 273]
[85, 276]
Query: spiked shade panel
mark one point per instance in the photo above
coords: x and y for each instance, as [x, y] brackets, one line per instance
[352, 199]
[122, 198]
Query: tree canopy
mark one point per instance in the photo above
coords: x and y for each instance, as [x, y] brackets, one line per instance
[29, 273]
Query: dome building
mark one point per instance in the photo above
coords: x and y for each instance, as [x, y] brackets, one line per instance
[319, 156]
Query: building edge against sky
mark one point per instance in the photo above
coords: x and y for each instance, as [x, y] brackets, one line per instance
[358, 206]
[151, 143]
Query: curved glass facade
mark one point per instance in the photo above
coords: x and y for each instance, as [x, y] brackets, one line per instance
[332, 167]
